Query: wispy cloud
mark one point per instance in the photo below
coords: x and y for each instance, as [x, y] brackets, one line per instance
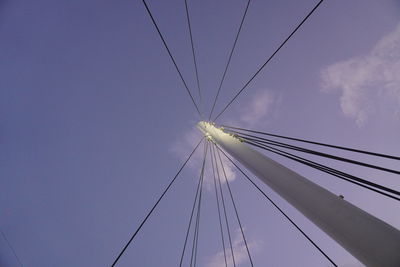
[256, 110]
[239, 250]
[185, 144]
[369, 84]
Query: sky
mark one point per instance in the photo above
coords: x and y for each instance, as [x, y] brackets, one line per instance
[94, 122]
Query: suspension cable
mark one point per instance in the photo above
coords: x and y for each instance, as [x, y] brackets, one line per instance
[193, 51]
[314, 152]
[229, 59]
[339, 174]
[11, 247]
[318, 143]
[279, 209]
[192, 212]
[219, 211]
[155, 205]
[226, 217]
[233, 202]
[268, 60]
[197, 224]
[172, 58]
[195, 239]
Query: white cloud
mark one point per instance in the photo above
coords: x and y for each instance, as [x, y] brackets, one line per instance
[369, 84]
[239, 250]
[259, 106]
[185, 144]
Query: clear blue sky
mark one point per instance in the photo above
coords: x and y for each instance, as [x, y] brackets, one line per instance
[94, 121]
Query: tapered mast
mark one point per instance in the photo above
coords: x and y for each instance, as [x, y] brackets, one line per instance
[369, 239]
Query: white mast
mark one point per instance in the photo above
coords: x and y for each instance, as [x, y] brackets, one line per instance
[369, 239]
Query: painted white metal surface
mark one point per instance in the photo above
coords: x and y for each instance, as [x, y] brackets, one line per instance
[369, 239]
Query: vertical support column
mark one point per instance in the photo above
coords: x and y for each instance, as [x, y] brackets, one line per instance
[369, 239]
